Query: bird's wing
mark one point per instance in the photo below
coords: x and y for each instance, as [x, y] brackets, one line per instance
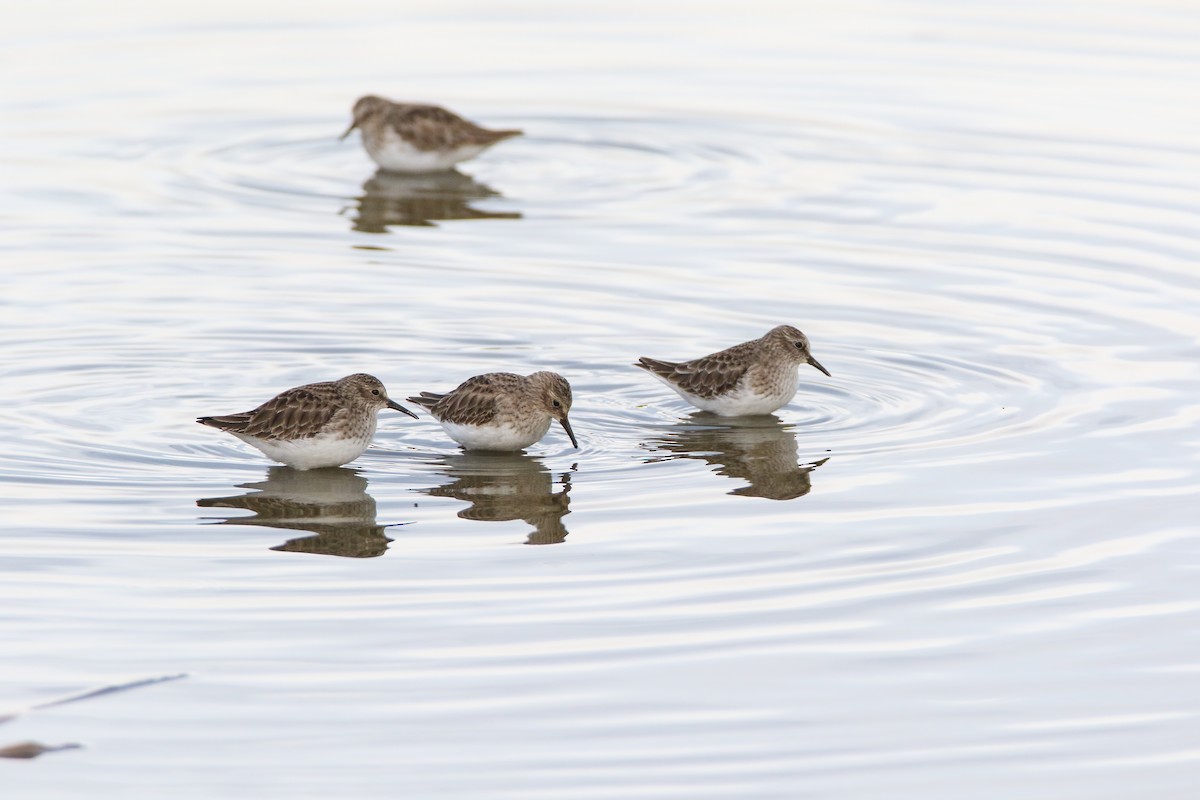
[295, 414]
[474, 401]
[426, 399]
[435, 128]
[708, 376]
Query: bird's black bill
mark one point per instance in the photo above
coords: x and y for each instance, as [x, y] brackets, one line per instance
[349, 130]
[817, 364]
[567, 427]
[394, 405]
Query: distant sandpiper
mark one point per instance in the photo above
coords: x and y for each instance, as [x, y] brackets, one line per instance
[500, 410]
[755, 377]
[410, 137]
[313, 426]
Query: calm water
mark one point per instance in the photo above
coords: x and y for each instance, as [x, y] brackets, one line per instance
[964, 566]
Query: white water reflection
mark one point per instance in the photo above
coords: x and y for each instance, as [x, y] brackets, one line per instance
[392, 199]
[502, 487]
[331, 503]
[760, 451]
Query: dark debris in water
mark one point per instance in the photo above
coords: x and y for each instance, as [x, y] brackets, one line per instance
[34, 749]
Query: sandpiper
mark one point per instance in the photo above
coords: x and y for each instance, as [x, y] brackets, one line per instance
[316, 425]
[755, 377]
[411, 137]
[500, 410]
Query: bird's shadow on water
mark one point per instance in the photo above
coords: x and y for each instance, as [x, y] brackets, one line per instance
[391, 198]
[502, 487]
[331, 504]
[762, 451]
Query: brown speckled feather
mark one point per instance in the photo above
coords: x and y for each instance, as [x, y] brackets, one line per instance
[473, 402]
[297, 413]
[434, 128]
[707, 376]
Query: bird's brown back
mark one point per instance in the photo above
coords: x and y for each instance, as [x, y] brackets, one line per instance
[297, 413]
[474, 401]
[708, 376]
[434, 128]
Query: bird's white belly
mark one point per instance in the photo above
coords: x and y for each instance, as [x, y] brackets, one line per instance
[742, 401]
[396, 155]
[316, 452]
[495, 437]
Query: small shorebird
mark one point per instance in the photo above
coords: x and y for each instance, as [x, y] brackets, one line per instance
[500, 410]
[312, 426]
[410, 137]
[755, 377]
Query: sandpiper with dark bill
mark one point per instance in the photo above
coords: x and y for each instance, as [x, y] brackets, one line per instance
[501, 410]
[755, 377]
[413, 137]
[313, 426]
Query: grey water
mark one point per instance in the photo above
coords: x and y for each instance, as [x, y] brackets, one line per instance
[963, 566]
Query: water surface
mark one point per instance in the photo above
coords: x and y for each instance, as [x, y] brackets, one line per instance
[965, 565]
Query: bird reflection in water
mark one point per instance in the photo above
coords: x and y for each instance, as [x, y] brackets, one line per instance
[391, 198]
[332, 504]
[761, 451]
[508, 486]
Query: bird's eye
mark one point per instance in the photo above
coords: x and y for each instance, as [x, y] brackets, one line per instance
[800, 345]
[557, 404]
[375, 392]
